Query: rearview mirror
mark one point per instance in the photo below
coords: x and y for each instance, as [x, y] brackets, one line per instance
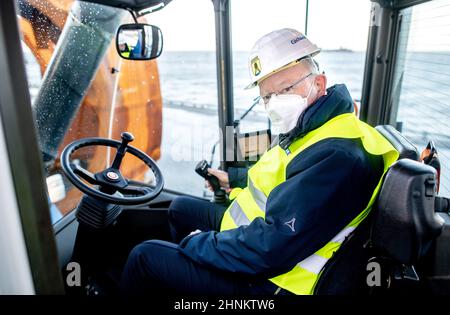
[139, 41]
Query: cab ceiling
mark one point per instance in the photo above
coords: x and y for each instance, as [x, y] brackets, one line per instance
[135, 5]
[398, 4]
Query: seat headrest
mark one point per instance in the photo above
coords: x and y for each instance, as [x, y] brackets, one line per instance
[405, 223]
[406, 149]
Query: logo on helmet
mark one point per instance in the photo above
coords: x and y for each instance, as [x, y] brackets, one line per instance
[297, 39]
[256, 66]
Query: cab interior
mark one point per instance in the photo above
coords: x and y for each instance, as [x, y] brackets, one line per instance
[407, 232]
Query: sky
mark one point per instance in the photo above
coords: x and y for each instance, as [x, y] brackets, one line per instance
[189, 24]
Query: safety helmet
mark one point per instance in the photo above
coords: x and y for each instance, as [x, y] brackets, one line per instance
[276, 51]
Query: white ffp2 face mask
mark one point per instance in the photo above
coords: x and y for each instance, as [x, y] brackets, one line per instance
[285, 109]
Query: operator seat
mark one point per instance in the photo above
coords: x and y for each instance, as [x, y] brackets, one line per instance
[396, 234]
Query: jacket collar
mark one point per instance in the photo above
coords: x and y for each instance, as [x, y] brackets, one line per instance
[335, 102]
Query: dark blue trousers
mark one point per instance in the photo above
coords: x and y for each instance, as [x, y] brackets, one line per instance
[157, 266]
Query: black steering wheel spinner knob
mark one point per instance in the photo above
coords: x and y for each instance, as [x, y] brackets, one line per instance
[127, 137]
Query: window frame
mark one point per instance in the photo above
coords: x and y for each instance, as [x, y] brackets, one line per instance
[378, 95]
[25, 159]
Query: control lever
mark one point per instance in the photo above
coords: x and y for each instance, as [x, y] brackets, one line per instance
[127, 137]
[201, 169]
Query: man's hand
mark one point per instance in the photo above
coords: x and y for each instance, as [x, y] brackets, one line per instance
[222, 177]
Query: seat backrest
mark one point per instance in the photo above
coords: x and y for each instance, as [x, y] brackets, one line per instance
[401, 226]
[405, 147]
[405, 223]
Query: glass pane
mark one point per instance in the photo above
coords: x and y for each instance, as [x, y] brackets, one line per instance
[422, 77]
[265, 17]
[81, 88]
[340, 28]
[187, 68]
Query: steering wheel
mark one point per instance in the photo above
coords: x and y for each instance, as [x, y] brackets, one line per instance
[113, 187]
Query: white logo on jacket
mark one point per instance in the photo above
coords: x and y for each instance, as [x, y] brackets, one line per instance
[290, 224]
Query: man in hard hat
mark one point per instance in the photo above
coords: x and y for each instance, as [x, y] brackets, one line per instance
[292, 209]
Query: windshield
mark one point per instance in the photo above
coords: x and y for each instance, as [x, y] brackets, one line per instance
[81, 88]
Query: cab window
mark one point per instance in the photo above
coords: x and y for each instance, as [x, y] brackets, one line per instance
[81, 88]
[421, 83]
[343, 42]
[188, 76]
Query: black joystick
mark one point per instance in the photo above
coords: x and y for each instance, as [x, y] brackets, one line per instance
[201, 169]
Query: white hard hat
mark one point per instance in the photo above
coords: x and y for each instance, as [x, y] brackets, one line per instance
[277, 51]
